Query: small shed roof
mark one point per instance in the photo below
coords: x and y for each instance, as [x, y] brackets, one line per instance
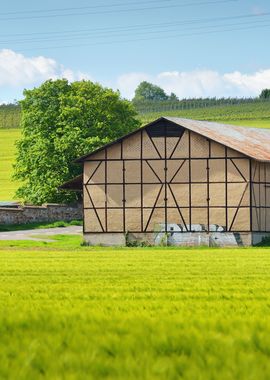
[75, 184]
[253, 142]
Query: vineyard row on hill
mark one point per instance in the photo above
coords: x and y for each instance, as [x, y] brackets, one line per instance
[150, 106]
[10, 115]
[252, 111]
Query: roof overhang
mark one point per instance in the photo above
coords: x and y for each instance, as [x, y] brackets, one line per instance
[75, 184]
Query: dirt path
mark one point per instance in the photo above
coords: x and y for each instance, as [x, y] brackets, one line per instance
[47, 232]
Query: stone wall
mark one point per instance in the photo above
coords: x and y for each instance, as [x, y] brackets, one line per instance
[45, 213]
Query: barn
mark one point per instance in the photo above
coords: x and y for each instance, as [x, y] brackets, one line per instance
[178, 182]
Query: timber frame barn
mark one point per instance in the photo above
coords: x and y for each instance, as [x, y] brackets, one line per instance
[179, 182]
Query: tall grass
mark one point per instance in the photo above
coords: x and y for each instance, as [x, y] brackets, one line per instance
[135, 314]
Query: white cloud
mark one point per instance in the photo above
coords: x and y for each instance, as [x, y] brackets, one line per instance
[18, 70]
[251, 83]
[127, 83]
[257, 10]
[199, 83]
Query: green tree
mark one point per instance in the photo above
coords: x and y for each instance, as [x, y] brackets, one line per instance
[173, 97]
[265, 94]
[60, 122]
[149, 91]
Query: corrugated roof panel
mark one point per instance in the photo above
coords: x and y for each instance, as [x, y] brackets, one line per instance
[253, 142]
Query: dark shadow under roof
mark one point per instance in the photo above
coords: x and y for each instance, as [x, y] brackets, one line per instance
[75, 184]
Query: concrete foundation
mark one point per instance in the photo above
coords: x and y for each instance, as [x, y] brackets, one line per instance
[105, 239]
[183, 239]
[257, 237]
[193, 239]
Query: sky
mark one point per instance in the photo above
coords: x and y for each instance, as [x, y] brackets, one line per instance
[194, 48]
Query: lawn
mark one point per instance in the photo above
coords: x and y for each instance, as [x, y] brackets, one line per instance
[7, 159]
[126, 313]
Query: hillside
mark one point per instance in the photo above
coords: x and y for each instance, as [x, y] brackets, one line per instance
[251, 114]
[10, 116]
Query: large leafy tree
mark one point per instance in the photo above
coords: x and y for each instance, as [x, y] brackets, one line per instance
[149, 91]
[62, 121]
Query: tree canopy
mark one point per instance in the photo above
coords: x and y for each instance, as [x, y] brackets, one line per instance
[265, 94]
[149, 91]
[173, 97]
[60, 122]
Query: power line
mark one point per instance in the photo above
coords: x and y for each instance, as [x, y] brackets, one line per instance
[152, 38]
[142, 26]
[85, 7]
[142, 31]
[125, 10]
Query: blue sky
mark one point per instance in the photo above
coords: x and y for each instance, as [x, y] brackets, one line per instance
[194, 48]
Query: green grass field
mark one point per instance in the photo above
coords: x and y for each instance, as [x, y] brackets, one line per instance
[96, 313]
[7, 158]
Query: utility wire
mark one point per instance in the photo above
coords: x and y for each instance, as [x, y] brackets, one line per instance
[151, 38]
[141, 26]
[141, 32]
[85, 7]
[125, 10]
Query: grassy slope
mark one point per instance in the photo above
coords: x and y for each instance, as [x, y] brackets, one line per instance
[134, 314]
[257, 114]
[7, 157]
[253, 115]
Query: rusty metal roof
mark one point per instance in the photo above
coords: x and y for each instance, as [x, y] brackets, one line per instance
[253, 142]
